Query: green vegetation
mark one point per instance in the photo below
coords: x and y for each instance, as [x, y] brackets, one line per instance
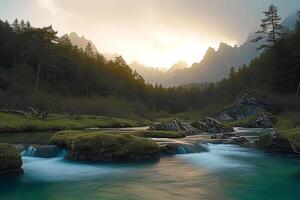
[249, 122]
[10, 160]
[17, 123]
[160, 134]
[265, 140]
[41, 138]
[99, 146]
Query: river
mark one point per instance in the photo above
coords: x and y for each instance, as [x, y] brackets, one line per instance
[224, 172]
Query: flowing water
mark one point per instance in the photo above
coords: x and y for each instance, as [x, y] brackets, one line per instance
[224, 172]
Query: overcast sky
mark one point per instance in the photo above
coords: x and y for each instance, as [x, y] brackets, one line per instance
[154, 32]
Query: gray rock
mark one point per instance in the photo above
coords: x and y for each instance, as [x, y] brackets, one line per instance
[212, 126]
[243, 107]
[176, 125]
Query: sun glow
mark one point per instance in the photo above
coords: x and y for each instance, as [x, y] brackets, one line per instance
[168, 49]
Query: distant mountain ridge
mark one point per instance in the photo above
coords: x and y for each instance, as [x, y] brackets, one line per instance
[214, 66]
[81, 42]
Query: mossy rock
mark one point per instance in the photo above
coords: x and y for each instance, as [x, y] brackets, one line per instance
[10, 160]
[107, 147]
[265, 140]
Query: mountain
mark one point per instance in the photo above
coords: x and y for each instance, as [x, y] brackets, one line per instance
[290, 21]
[81, 42]
[214, 66]
[180, 65]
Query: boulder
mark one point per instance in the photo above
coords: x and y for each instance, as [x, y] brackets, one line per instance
[168, 148]
[105, 147]
[176, 125]
[10, 160]
[212, 126]
[246, 105]
[265, 120]
[274, 143]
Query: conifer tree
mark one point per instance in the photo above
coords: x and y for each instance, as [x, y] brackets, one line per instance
[271, 30]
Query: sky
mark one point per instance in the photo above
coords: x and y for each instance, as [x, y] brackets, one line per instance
[156, 33]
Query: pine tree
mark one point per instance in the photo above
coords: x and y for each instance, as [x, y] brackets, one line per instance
[22, 25]
[271, 30]
[28, 25]
[89, 50]
[15, 25]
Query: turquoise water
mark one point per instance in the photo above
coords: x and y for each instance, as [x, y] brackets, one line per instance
[225, 172]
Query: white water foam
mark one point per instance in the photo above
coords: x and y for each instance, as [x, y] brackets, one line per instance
[221, 157]
[57, 169]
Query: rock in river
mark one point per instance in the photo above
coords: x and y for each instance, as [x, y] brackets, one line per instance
[10, 160]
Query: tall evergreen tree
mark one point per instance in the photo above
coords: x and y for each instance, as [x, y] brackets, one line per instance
[271, 30]
[89, 50]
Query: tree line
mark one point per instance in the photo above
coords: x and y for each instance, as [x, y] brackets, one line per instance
[36, 62]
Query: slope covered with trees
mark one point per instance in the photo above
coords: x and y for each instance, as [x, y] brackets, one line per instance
[42, 70]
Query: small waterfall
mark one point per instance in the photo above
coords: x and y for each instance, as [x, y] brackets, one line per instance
[29, 152]
[46, 151]
[62, 153]
[186, 148]
[181, 150]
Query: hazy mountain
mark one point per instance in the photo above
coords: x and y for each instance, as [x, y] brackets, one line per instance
[81, 42]
[290, 21]
[178, 66]
[214, 66]
[150, 74]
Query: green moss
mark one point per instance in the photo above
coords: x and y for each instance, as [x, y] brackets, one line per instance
[265, 140]
[10, 160]
[160, 134]
[247, 122]
[17, 123]
[292, 135]
[99, 146]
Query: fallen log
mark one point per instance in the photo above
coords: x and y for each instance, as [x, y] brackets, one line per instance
[12, 111]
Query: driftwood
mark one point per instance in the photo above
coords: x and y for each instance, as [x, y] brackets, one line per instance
[19, 112]
[38, 114]
[293, 145]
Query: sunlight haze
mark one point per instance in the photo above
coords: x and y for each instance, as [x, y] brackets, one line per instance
[159, 33]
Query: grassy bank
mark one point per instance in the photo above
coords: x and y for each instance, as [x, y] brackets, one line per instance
[16, 123]
[288, 132]
[41, 138]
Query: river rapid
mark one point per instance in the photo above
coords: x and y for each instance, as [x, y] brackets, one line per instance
[224, 172]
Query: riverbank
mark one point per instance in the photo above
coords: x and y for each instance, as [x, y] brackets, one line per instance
[10, 123]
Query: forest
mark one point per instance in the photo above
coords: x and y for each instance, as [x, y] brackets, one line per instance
[42, 70]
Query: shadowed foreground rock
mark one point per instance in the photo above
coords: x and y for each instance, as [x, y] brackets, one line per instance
[10, 160]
